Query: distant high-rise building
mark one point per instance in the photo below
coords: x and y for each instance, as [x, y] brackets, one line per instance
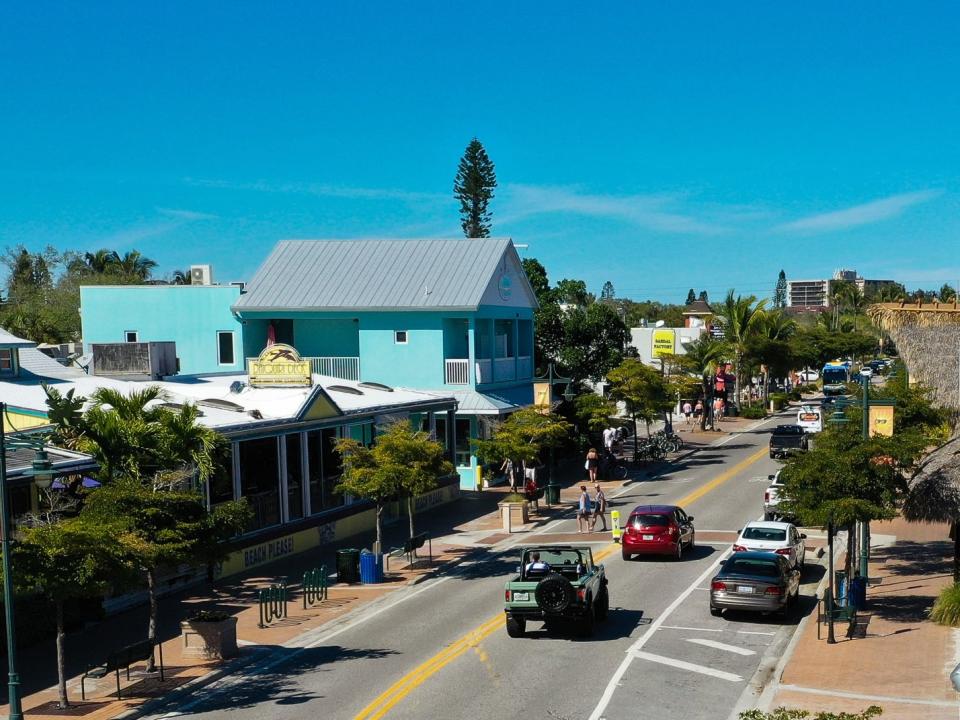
[816, 295]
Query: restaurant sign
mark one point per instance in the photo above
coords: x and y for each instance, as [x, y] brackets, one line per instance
[280, 366]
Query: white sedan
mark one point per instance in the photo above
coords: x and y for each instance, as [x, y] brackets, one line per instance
[776, 537]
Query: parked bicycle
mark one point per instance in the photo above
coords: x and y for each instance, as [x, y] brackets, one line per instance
[611, 467]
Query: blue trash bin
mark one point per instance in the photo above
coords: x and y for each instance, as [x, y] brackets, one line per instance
[371, 568]
[857, 594]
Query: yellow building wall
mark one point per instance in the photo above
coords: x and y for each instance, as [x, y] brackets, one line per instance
[257, 554]
[14, 420]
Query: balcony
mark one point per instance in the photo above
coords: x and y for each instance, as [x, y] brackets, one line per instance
[504, 369]
[524, 367]
[345, 368]
[484, 371]
[456, 371]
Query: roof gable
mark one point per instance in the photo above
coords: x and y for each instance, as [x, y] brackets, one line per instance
[343, 275]
[509, 287]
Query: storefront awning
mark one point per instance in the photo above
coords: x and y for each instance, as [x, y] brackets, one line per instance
[493, 402]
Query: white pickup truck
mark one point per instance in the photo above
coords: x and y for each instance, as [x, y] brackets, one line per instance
[771, 497]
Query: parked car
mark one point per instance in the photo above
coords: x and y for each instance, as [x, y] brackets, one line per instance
[808, 376]
[771, 497]
[772, 536]
[755, 581]
[563, 584]
[787, 439]
[657, 530]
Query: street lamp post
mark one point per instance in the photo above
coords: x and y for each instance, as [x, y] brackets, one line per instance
[831, 639]
[865, 526]
[568, 395]
[43, 475]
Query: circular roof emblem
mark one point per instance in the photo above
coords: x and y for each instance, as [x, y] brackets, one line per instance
[504, 287]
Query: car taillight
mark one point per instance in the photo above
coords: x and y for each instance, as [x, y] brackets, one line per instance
[506, 595]
[582, 594]
[766, 497]
[672, 530]
[782, 551]
[717, 585]
[739, 548]
[772, 590]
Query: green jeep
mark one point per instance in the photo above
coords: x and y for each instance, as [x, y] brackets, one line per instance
[563, 584]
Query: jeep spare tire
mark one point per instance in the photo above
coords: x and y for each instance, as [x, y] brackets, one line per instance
[554, 593]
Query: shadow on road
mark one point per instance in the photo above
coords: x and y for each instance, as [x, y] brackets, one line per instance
[698, 552]
[620, 623]
[252, 686]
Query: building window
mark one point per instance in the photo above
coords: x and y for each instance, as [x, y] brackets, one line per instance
[225, 348]
[131, 336]
[6, 361]
[221, 480]
[325, 467]
[260, 480]
[400, 337]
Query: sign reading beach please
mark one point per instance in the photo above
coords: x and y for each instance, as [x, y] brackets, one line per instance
[280, 366]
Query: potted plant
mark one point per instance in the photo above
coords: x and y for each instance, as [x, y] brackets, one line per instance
[209, 635]
[513, 511]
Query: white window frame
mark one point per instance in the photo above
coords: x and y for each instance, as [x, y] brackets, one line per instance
[396, 337]
[13, 363]
[233, 348]
[128, 333]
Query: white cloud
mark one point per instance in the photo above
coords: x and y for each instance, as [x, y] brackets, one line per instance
[320, 189]
[653, 212]
[865, 214]
[187, 215]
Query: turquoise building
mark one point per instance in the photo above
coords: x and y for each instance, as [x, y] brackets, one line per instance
[450, 315]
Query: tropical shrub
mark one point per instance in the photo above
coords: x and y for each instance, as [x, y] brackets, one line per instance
[946, 609]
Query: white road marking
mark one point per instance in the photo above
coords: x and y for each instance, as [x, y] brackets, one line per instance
[754, 632]
[721, 646]
[643, 639]
[692, 667]
[695, 629]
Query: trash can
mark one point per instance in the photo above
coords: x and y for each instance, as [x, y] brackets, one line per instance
[348, 565]
[553, 493]
[840, 587]
[371, 568]
[857, 593]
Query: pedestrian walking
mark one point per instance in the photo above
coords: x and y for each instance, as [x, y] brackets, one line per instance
[688, 411]
[583, 510]
[599, 508]
[592, 464]
[609, 436]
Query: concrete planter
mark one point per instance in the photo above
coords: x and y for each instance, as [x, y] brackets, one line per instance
[209, 640]
[513, 514]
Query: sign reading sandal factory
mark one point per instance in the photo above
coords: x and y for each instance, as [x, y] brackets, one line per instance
[280, 366]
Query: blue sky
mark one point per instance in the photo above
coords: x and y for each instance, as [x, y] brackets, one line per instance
[656, 145]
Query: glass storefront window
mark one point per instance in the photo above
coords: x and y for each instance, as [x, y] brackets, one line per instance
[324, 467]
[462, 442]
[294, 477]
[221, 481]
[260, 480]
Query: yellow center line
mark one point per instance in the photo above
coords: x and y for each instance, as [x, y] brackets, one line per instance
[384, 702]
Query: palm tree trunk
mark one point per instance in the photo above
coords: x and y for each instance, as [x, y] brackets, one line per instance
[636, 439]
[379, 525]
[410, 514]
[61, 659]
[152, 624]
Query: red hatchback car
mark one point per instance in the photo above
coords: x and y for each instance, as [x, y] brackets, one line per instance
[657, 530]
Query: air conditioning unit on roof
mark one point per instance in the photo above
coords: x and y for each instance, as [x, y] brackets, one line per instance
[201, 275]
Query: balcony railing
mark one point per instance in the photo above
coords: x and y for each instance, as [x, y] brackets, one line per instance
[456, 372]
[504, 369]
[524, 367]
[484, 371]
[345, 368]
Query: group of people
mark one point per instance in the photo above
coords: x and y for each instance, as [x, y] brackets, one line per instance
[589, 510]
[693, 413]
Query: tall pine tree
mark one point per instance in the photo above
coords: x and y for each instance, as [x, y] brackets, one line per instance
[780, 293]
[691, 296]
[607, 293]
[473, 187]
[704, 297]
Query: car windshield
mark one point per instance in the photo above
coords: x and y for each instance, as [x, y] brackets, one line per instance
[760, 533]
[750, 566]
[557, 557]
[651, 520]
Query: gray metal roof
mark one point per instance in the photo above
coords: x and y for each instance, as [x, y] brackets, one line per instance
[9, 340]
[34, 362]
[375, 274]
[492, 402]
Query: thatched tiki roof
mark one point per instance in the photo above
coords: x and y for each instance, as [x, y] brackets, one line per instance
[935, 487]
[928, 338]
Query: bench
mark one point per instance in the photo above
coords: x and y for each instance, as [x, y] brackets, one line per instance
[409, 547]
[122, 659]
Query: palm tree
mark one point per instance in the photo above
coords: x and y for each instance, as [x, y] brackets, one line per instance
[742, 318]
[124, 434]
[103, 260]
[182, 277]
[777, 325]
[890, 293]
[187, 447]
[136, 265]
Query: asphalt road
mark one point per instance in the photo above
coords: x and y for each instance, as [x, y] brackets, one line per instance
[439, 649]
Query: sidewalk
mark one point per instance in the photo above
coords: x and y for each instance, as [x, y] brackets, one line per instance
[898, 659]
[472, 524]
